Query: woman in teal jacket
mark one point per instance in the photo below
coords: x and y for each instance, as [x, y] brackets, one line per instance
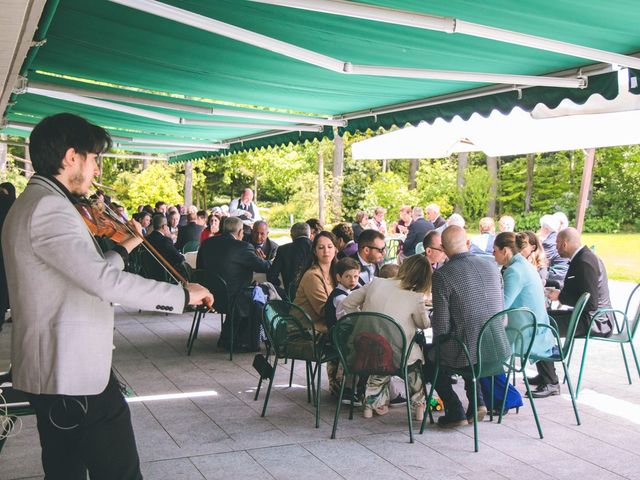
[522, 288]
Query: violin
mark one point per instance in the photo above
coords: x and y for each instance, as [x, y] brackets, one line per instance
[102, 221]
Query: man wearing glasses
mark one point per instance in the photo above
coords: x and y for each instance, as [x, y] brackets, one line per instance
[433, 250]
[371, 247]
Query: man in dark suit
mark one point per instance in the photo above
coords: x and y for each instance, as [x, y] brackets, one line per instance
[586, 274]
[231, 258]
[191, 231]
[418, 229]
[433, 250]
[371, 247]
[259, 238]
[292, 258]
[160, 239]
[433, 214]
[467, 291]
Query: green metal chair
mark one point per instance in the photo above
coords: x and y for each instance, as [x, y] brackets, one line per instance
[362, 325]
[419, 248]
[17, 405]
[564, 349]
[191, 246]
[491, 340]
[522, 327]
[291, 335]
[271, 309]
[624, 333]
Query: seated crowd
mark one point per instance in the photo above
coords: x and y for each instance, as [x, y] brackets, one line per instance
[440, 278]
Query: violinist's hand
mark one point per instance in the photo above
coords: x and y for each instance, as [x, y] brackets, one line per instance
[199, 295]
[132, 241]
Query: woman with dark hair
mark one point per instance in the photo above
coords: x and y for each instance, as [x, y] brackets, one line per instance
[344, 237]
[317, 281]
[522, 288]
[530, 248]
[408, 290]
[212, 228]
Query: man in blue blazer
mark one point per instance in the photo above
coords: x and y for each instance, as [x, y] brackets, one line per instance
[62, 289]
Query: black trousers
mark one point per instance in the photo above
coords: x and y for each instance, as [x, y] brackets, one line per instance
[547, 370]
[92, 432]
[452, 404]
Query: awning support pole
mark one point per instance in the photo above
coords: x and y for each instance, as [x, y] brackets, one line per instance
[585, 187]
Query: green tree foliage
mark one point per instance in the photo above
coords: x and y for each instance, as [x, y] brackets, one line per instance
[474, 197]
[436, 183]
[158, 182]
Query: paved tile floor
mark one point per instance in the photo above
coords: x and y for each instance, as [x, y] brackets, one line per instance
[220, 434]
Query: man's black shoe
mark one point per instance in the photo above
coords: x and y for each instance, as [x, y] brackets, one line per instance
[537, 380]
[398, 401]
[544, 391]
[346, 398]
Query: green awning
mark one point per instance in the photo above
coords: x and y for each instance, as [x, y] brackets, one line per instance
[114, 46]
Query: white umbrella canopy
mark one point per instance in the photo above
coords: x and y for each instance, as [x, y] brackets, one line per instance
[597, 123]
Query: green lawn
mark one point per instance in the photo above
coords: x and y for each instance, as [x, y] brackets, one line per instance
[620, 253]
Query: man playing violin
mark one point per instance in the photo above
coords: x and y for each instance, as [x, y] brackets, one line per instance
[62, 290]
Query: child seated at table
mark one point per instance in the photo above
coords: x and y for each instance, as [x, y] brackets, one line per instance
[347, 273]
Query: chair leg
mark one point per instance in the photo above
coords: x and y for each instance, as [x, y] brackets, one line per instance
[291, 372]
[319, 374]
[582, 362]
[353, 392]
[308, 372]
[512, 368]
[194, 335]
[335, 418]
[433, 383]
[230, 318]
[570, 356]
[573, 397]
[533, 406]
[406, 392]
[626, 365]
[475, 413]
[273, 375]
[255, 397]
[193, 325]
[635, 358]
[491, 398]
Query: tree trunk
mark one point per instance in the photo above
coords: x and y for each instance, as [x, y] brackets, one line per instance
[320, 186]
[385, 165]
[188, 183]
[528, 194]
[145, 164]
[255, 187]
[492, 168]
[414, 165]
[463, 162]
[585, 187]
[28, 166]
[4, 148]
[338, 172]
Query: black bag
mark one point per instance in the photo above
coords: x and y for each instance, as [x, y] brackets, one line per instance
[262, 366]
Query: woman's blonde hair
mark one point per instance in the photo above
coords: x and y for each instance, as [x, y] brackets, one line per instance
[415, 274]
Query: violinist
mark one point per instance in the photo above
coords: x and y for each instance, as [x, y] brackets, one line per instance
[62, 290]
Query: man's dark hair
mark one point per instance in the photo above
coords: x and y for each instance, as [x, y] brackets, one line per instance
[159, 204]
[53, 136]
[315, 225]
[346, 264]
[427, 241]
[158, 221]
[367, 237]
[202, 214]
[343, 231]
[300, 229]
[149, 209]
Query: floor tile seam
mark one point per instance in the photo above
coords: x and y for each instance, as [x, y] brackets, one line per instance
[161, 425]
[356, 439]
[576, 428]
[261, 466]
[570, 454]
[204, 477]
[302, 445]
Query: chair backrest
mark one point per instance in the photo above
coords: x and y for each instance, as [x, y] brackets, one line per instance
[191, 246]
[218, 286]
[522, 327]
[370, 344]
[632, 310]
[290, 330]
[493, 347]
[419, 248]
[573, 322]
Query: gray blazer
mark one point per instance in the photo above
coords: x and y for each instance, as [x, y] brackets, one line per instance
[62, 290]
[467, 291]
